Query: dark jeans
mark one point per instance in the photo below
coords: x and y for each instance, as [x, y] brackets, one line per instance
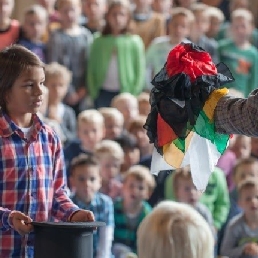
[104, 98]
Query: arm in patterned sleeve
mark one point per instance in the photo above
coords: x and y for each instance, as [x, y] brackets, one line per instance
[237, 116]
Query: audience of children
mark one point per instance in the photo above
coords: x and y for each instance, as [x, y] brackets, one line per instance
[86, 179]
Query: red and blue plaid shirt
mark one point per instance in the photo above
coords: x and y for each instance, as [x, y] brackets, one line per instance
[32, 180]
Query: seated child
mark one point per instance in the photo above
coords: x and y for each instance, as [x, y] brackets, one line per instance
[144, 103]
[174, 230]
[58, 78]
[131, 209]
[91, 131]
[186, 192]
[127, 104]
[241, 235]
[114, 122]
[86, 180]
[110, 156]
[33, 28]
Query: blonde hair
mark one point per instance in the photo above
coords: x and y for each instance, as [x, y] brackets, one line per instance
[144, 97]
[216, 13]
[199, 8]
[181, 11]
[113, 113]
[174, 230]
[242, 13]
[122, 97]
[110, 149]
[55, 69]
[91, 116]
[243, 162]
[141, 173]
[60, 3]
[38, 10]
[246, 184]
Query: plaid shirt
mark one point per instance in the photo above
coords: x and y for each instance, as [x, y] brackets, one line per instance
[32, 181]
[237, 116]
[103, 209]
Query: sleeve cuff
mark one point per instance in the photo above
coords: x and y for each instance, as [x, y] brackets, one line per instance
[6, 220]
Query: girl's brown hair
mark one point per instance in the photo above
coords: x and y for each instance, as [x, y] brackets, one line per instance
[13, 61]
[107, 30]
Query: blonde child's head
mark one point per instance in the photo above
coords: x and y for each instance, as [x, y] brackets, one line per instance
[241, 146]
[179, 25]
[91, 128]
[114, 122]
[127, 104]
[94, 10]
[6, 9]
[138, 184]
[110, 156]
[58, 79]
[144, 103]
[174, 230]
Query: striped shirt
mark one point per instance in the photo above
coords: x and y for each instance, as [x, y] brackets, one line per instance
[32, 181]
[126, 227]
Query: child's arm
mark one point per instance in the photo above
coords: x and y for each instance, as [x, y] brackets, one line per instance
[237, 116]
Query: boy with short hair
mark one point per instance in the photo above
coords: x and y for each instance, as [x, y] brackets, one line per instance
[110, 156]
[90, 130]
[132, 208]
[241, 235]
[86, 180]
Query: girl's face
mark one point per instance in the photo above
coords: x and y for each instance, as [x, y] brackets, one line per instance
[94, 10]
[26, 94]
[6, 8]
[118, 18]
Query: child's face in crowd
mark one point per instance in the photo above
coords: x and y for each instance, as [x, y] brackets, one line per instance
[69, 13]
[6, 8]
[187, 192]
[94, 10]
[144, 108]
[26, 93]
[201, 24]
[114, 128]
[131, 157]
[135, 191]
[242, 147]
[118, 18]
[34, 26]
[179, 28]
[246, 171]
[110, 168]
[142, 137]
[248, 201]
[86, 181]
[214, 27]
[254, 146]
[241, 30]
[162, 6]
[57, 87]
[90, 134]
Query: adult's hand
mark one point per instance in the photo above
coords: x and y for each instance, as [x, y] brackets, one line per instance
[20, 222]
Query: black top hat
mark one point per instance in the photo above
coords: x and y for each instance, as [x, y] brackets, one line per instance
[64, 239]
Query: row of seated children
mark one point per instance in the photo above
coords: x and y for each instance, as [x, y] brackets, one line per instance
[123, 215]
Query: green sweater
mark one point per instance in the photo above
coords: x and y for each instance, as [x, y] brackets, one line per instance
[215, 197]
[131, 63]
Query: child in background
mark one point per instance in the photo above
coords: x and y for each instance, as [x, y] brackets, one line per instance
[136, 129]
[90, 130]
[144, 19]
[31, 163]
[254, 147]
[49, 5]
[114, 122]
[58, 78]
[216, 20]
[86, 180]
[186, 192]
[200, 27]
[179, 27]
[241, 235]
[9, 28]
[144, 103]
[127, 104]
[110, 156]
[33, 28]
[116, 62]
[131, 150]
[69, 46]
[131, 209]
[94, 14]
[238, 54]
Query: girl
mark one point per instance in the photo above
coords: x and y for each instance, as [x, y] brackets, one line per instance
[116, 62]
[32, 179]
[69, 47]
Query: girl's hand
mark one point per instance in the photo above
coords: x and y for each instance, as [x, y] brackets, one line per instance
[82, 216]
[20, 222]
